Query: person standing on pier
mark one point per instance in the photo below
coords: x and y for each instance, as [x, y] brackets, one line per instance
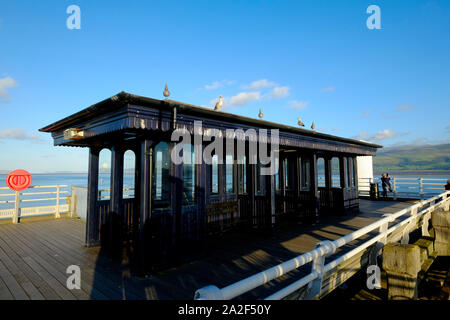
[385, 184]
[447, 186]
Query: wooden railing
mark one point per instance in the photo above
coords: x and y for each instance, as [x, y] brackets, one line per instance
[415, 188]
[20, 198]
[324, 277]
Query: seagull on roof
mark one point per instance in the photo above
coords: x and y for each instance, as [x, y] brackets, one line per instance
[166, 92]
[300, 122]
[219, 104]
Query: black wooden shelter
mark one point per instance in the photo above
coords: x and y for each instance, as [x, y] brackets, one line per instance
[176, 207]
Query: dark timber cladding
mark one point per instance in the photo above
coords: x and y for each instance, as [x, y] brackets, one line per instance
[175, 207]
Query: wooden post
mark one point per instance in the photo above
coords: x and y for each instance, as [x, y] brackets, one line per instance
[441, 224]
[328, 178]
[57, 215]
[116, 180]
[421, 187]
[355, 173]
[394, 188]
[16, 207]
[342, 172]
[402, 264]
[314, 188]
[145, 189]
[92, 219]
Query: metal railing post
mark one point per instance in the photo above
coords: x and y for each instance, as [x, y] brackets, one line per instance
[394, 188]
[16, 207]
[315, 286]
[57, 215]
[421, 187]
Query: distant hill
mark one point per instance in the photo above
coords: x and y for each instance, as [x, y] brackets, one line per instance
[426, 157]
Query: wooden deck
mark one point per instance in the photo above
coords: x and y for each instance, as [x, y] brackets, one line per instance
[34, 257]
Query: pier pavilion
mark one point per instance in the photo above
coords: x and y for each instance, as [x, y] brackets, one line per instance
[176, 207]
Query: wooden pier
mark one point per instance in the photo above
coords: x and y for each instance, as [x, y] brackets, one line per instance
[34, 258]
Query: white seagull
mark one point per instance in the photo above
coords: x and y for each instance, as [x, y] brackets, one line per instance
[219, 104]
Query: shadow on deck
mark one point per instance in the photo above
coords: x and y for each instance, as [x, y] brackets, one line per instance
[34, 258]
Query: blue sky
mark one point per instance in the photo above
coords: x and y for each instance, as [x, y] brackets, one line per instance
[311, 59]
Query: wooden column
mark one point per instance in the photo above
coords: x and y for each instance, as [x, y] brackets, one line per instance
[349, 173]
[145, 195]
[328, 181]
[272, 200]
[342, 172]
[92, 219]
[355, 172]
[116, 180]
[314, 187]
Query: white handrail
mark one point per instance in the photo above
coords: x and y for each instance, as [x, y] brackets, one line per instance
[323, 249]
[19, 211]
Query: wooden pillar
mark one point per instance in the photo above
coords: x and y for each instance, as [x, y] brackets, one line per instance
[116, 180]
[402, 264]
[92, 219]
[272, 199]
[355, 172]
[145, 195]
[342, 172]
[328, 182]
[314, 187]
[349, 173]
[251, 182]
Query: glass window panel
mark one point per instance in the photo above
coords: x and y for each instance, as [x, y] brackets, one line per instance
[229, 176]
[129, 167]
[277, 174]
[321, 172]
[215, 174]
[305, 171]
[243, 176]
[104, 174]
[350, 172]
[189, 177]
[286, 173]
[161, 175]
[335, 175]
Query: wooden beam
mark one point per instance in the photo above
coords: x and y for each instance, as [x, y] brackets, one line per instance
[342, 172]
[328, 178]
[145, 195]
[116, 180]
[92, 219]
[314, 186]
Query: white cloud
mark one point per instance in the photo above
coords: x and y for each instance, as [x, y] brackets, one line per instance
[297, 105]
[365, 113]
[218, 84]
[7, 82]
[244, 98]
[404, 108]
[279, 92]
[240, 99]
[361, 135]
[384, 134]
[260, 84]
[329, 89]
[19, 134]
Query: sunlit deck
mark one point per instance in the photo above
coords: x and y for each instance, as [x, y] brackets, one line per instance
[34, 258]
